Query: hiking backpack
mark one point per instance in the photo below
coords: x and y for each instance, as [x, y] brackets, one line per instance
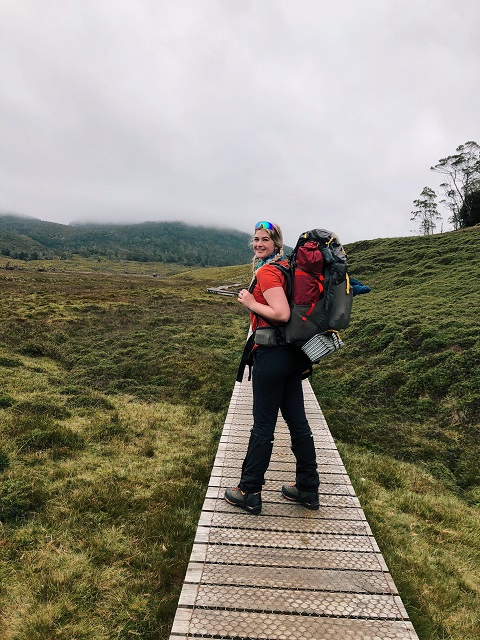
[320, 293]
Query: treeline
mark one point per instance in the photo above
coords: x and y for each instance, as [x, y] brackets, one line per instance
[24, 238]
[461, 190]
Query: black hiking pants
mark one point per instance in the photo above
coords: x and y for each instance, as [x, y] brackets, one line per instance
[277, 384]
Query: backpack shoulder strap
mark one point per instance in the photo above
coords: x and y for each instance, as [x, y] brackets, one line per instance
[288, 275]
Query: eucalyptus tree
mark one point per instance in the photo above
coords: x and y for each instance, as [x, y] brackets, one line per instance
[462, 178]
[426, 211]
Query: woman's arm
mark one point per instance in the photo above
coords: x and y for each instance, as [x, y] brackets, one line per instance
[277, 308]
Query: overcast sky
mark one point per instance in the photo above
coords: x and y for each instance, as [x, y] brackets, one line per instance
[224, 112]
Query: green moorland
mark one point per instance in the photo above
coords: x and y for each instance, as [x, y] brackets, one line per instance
[114, 388]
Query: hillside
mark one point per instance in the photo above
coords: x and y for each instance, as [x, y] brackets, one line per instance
[413, 353]
[27, 238]
[114, 390]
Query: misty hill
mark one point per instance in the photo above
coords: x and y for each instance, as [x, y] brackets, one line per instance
[28, 238]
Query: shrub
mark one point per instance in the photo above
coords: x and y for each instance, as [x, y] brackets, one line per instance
[21, 424]
[18, 499]
[4, 460]
[6, 400]
[5, 361]
[58, 437]
[87, 401]
[43, 408]
[40, 350]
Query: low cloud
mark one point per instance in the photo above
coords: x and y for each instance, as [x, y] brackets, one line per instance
[220, 113]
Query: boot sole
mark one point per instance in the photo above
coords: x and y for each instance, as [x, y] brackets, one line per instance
[312, 507]
[255, 511]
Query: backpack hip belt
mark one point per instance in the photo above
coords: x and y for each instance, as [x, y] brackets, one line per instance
[269, 336]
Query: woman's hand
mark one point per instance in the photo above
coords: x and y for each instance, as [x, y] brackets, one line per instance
[246, 298]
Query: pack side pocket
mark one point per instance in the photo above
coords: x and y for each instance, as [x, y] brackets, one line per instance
[341, 306]
[301, 327]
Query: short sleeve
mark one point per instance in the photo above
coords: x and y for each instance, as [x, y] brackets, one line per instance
[269, 277]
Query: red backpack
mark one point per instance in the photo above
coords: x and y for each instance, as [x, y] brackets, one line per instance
[320, 292]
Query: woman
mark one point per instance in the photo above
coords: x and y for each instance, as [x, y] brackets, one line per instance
[277, 384]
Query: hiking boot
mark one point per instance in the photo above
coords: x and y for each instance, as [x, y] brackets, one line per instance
[251, 502]
[308, 499]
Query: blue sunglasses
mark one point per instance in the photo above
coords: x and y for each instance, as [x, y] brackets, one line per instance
[264, 225]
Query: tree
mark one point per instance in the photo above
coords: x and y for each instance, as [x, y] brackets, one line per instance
[470, 211]
[462, 171]
[426, 211]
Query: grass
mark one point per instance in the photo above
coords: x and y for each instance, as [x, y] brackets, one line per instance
[98, 521]
[429, 538]
[114, 390]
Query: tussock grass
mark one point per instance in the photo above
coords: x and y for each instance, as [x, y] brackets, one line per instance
[412, 355]
[100, 264]
[98, 542]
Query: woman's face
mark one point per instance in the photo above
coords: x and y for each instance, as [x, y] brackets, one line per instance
[263, 245]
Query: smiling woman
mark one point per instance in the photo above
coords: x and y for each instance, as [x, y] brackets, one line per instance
[278, 370]
[271, 304]
[263, 245]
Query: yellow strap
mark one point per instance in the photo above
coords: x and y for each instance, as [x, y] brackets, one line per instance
[348, 283]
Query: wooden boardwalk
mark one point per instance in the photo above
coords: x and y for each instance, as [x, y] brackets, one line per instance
[289, 573]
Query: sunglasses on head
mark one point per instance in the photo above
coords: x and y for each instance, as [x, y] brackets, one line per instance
[264, 225]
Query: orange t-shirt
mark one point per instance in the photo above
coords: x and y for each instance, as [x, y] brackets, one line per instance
[268, 277]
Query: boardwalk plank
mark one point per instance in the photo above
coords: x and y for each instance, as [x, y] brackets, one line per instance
[293, 578]
[216, 623]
